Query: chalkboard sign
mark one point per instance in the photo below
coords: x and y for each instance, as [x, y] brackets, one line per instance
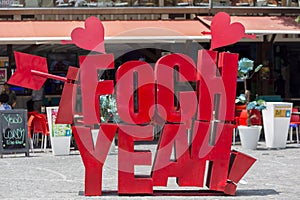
[13, 132]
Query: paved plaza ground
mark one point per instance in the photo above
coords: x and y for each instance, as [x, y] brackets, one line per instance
[275, 175]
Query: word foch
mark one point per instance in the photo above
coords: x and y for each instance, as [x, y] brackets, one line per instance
[198, 127]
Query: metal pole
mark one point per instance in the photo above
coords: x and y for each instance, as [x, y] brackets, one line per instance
[211, 2]
[46, 75]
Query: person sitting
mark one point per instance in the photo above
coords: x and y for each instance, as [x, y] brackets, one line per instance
[37, 97]
[79, 3]
[3, 102]
[12, 98]
[61, 2]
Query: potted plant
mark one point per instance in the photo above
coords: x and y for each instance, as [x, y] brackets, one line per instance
[249, 134]
[109, 114]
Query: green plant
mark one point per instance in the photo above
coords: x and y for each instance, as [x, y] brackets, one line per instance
[297, 19]
[245, 72]
[109, 112]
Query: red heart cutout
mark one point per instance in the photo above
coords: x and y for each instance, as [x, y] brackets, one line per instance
[223, 33]
[91, 37]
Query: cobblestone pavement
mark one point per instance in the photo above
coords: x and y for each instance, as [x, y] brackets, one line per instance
[275, 175]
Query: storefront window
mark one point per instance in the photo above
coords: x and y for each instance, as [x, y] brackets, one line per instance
[145, 3]
[130, 3]
[58, 64]
[178, 2]
[287, 61]
[201, 2]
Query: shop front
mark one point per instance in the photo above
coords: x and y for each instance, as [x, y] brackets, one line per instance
[275, 47]
[125, 39]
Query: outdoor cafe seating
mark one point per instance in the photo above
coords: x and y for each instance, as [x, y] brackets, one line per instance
[294, 124]
[241, 119]
[38, 130]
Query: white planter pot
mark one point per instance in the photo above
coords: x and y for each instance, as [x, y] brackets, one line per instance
[277, 117]
[60, 140]
[249, 136]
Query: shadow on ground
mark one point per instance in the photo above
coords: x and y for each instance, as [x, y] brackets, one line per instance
[258, 192]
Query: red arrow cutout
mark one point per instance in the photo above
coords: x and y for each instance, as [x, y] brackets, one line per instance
[31, 72]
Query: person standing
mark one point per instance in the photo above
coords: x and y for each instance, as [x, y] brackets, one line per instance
[279, 86]
[12, 98]
[37, 99]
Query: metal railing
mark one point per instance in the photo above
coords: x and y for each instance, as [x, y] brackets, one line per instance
[143, 3]
[140, 12]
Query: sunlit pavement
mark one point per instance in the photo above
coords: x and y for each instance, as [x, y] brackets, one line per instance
[275, 175]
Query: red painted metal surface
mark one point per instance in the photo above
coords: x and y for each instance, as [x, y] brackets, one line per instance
[23, 76]
[216, 81]
[216, 151]
[186, 169]
[142, 95]
[224, 33]
[91, 37]
[65, 113]
[167, 69]
[47, 75]
[89, 66]
[128, 182]
[131, 77]
[93, 157]
[239, 165]
[211, 140]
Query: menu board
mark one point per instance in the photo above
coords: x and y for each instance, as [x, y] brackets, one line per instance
[13, 132]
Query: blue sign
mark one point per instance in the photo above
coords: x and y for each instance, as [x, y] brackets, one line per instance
[288, 113]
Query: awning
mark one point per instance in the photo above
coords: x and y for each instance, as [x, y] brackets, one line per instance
[41, 32]
[263, 24]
